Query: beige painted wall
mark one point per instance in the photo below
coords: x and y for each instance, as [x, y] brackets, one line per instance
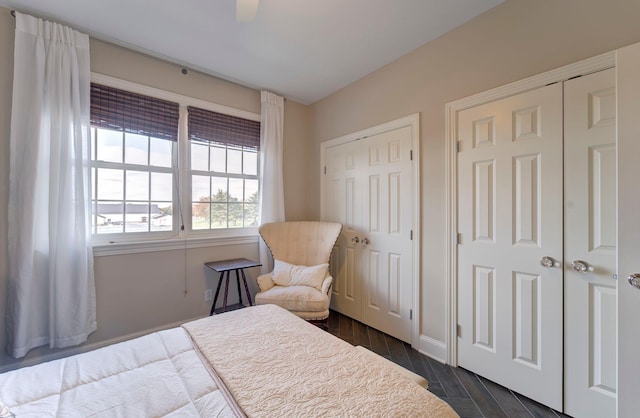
[518, 39]
[138, 292]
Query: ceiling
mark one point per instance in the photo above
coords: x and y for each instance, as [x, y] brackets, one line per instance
[301, 49]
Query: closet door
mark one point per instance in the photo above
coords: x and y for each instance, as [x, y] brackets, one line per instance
[510, 250]
[590, 238]
[368, 188]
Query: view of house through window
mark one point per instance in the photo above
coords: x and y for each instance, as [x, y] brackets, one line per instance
[137, 184]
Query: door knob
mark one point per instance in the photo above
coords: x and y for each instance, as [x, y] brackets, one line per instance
[547, 261]
[365, 241]
[634, 280]
[355, 240]
[580, 266]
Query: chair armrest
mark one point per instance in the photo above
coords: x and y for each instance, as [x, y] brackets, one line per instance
[326, 285]
[265, 282]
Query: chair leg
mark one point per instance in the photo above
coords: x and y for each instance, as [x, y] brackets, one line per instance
[320, 323]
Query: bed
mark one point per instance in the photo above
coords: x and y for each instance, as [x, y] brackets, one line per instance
[260, 361]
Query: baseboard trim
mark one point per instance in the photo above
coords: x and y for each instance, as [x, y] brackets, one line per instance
[433, 348]
[67, 352]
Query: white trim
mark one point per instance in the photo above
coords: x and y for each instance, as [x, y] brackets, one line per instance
[173, 97]
[435, 349]
[597, 63]
[117, 248]
[413, 121]
[62, 353]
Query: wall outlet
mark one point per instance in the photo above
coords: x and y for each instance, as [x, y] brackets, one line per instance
[208, 295]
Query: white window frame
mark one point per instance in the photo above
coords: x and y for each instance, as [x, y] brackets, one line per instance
[133, 242]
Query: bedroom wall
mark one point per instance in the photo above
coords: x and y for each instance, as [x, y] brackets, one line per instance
[143, 291]
[517, 39]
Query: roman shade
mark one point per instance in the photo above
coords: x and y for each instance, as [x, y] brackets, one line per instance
[205, 125]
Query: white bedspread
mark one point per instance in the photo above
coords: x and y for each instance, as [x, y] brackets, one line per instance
[277, 365]
[159, 374]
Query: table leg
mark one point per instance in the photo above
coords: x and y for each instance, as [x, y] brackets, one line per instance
[246, 287]
[226, 292]
[238, 281]
[215, 299]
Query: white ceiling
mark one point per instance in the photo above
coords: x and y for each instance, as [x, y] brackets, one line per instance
[301, 49]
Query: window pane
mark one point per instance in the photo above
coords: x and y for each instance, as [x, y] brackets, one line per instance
[199, 157]
[93, 144]
[218, 215]
[250, 214]
[137, 217]
[136, 149]
[235, 215]
[218, 159]
[236, 190]
[234, 161]
[162, 186]
[109, 217]
[161, 216]
[137, 185]
[199, 188]
[160, 152]
[219, 189]
[200, 215]
[251, 191]
[110, 184]
[93, 183]
[109, 145]
[250, 163]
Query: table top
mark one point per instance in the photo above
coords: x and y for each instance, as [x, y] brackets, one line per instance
[233, 264]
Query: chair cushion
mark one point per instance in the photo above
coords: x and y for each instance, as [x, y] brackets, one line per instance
[294, 298]
[285, 274]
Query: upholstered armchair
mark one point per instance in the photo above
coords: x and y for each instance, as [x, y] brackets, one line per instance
[300, 281]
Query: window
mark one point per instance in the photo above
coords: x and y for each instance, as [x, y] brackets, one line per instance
[224, 170]
[138, 185]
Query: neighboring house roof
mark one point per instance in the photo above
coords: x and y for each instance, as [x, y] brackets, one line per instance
[130, 209]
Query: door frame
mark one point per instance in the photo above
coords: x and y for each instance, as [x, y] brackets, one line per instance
[412, 121]
[584, 67]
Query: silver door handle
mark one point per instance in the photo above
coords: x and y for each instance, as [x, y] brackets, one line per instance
[634, 280]
[355, 240]
[580, 266]
[547, 261]
[365, 241]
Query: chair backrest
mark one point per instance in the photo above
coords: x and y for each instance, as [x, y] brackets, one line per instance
[302, 243]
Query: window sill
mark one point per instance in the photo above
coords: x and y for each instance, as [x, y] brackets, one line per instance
[118, 248]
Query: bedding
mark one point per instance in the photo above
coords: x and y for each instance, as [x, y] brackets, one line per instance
[260, 361]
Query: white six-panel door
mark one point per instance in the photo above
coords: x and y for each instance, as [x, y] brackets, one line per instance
[590, 236]
[509, 219]
[368, 188]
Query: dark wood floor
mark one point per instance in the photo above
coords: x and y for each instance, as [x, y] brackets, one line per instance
[470, 395]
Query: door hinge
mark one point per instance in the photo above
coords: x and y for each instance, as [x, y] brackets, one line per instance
[459, 330]
[459, 238]
[411, 154]
[410, 314]
[411, 235]
[457, 146]
[325, 170]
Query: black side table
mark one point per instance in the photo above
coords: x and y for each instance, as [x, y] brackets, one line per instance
[225, 266]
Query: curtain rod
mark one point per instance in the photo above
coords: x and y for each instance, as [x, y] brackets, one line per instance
[13, 13]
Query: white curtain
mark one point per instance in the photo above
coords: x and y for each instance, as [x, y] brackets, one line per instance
[271, 159]
[51, 294]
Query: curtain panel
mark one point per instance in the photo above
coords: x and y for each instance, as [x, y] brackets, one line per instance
[271, 172]
[51, 292]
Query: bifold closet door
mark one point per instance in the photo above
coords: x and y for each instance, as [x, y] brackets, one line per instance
[510, 252]
[590, 343]
[368, 189]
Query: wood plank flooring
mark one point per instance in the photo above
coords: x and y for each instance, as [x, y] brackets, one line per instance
[470, 395]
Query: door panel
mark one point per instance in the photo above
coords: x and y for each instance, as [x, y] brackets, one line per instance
[590, 236]
[344, 204]
[368, 189]
[509, 217]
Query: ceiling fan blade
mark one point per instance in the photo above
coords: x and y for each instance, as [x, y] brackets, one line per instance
[246, 10]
